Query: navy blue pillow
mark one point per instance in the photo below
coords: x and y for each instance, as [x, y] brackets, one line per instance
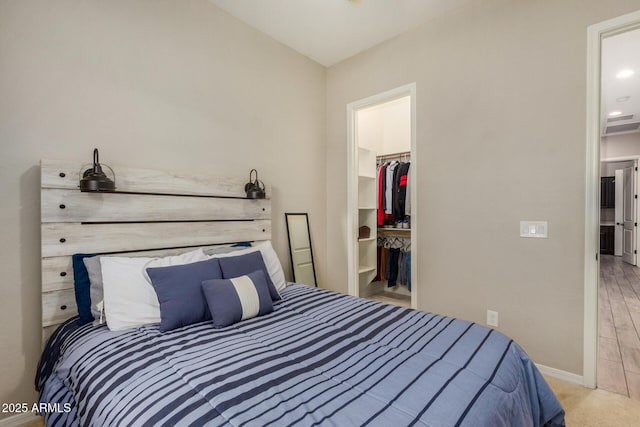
[236, 299]
[179, 290]
[81, 286]
[240, 265]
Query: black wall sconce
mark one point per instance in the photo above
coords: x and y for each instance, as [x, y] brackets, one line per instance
[94, 179]
[254, 189]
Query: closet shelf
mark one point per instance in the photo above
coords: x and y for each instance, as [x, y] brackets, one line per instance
[393, 229]
[367, 176]
[365, 269]
[366, 207]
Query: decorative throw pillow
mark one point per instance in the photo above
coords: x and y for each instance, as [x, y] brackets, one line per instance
[235, 266]
[239, 298]
[81, 286]
[179, 290]
[271, 261]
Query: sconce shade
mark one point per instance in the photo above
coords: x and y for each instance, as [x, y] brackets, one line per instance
[255, 193]
[254, 189]
[95, 179]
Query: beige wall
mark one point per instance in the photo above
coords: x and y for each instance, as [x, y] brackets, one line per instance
[370, 129]
[500, 138]
[623, 145]
[396, 121]
[154, 84]
[386, 128]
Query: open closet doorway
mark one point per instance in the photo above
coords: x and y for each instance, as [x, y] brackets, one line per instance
[612, 330]
[381, 226]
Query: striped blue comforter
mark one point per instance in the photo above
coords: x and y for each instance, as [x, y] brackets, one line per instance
[320, 358]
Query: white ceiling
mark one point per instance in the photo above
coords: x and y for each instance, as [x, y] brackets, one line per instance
[620, 52]
[329, 31]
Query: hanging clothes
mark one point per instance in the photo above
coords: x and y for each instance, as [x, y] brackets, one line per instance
[388, 196]
[384, 260]
[378, 261]
[393, 204]
[394, 192]
[394, 261]
[392, 271]
[400, 191]
[402, 271]
[380, 185]
[407, 199]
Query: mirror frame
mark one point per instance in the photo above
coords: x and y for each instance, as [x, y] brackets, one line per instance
[313, 261]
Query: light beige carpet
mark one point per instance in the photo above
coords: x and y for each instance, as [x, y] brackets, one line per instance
[586, 407]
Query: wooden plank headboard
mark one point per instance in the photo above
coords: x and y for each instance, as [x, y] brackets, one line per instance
[152, 213]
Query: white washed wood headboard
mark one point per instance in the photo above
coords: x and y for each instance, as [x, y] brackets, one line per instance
[151, 213]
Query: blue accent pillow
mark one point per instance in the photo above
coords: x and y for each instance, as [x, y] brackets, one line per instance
[240, 265]
[236, 299]
[81, 286]
[179, 290]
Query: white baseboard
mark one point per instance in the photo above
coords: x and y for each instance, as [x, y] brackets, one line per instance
[561, 375]
[19, 420]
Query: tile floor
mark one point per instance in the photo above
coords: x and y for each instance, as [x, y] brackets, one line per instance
[619, 331]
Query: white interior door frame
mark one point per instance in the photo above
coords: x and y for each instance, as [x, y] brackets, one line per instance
[352, 184]
[595, 34]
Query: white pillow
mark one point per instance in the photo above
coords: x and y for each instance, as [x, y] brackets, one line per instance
[271, 261]
[168, 261]
[129, 297]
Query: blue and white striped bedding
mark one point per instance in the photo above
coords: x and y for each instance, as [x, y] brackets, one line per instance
[320, 358]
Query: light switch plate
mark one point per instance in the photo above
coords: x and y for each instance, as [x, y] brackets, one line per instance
[538, 229]
[492, 318]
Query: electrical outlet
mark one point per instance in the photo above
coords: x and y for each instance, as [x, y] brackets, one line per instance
[492, 318]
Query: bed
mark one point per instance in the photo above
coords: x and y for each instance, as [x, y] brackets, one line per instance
[319, 358]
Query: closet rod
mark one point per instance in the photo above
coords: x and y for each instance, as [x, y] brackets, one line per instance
[394, 155]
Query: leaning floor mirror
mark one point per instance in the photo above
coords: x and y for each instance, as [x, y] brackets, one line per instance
[300, 248]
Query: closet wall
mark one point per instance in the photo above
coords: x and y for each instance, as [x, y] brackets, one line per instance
[382, 130]
[621, 145]
[386, 128]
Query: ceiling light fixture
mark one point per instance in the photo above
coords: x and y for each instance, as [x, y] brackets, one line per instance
[615, 113]
[623, 99]
[624, 74]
